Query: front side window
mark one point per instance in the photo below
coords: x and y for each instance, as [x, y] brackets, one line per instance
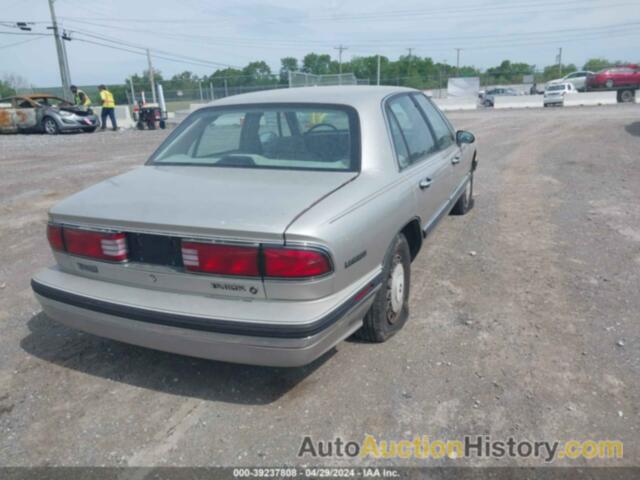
[287, 136]
[444, 135]
[415, 131]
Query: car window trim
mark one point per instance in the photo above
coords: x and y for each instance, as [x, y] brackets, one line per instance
[394, 118]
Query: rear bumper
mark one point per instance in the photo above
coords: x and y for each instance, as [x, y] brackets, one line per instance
[144, 317]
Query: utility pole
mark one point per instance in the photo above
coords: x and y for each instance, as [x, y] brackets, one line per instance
[378, 82]
[133, 92]
[64, 68]
[560, 62]
[410, 50]
[446, 77]
[151, 78]
[66, 37]
[340, 49]
[458, 61]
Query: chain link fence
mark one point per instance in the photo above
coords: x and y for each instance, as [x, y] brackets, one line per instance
[178, 98]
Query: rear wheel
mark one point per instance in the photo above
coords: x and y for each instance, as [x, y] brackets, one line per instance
[626, 96]
[49, 126]
[390, 308]
[465, 202]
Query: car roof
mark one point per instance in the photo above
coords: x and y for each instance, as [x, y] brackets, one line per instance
[42, 95]
[352, 95]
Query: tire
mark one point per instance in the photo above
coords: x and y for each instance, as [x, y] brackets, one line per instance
[140, 126]
[390, 308]
[626, 96]
[465, 202]
[163, 124]
[49, 126]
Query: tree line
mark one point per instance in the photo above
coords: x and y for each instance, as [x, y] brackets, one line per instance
[408, 70]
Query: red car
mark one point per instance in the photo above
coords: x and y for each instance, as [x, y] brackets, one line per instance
[620, 78]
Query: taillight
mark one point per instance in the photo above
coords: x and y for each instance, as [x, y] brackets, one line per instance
[54, 235]
[220, 259]
[100, 245]
[294, 263]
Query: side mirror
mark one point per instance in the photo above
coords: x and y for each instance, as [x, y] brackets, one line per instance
[462, 136]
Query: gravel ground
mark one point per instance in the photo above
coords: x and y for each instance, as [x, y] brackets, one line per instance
[524, 319]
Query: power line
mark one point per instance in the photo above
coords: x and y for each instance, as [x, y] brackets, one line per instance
[20, 42]
[426, 41]
[26, 34]
[153, 50]
[143, 53]
[448, 11]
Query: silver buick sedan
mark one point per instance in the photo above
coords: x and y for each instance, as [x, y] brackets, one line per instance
[267, 227]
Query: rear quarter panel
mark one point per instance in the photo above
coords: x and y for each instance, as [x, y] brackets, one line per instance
[357, 224]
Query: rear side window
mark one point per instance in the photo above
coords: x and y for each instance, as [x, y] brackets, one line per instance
[415, 132]
[443, 134]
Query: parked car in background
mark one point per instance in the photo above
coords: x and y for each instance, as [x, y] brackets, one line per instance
[625, 79]
[555, 92]
[577, 79]
[265, 229]
[44, 113]
[487, 99]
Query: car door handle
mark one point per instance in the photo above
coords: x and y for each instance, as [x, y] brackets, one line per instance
[455, 160]
[426, 183]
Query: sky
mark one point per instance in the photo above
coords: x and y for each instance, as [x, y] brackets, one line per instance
[218, 33]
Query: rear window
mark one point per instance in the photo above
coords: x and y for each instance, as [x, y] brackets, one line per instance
[553, 88]
[286, 136]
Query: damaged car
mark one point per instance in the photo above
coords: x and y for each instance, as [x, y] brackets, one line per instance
[44, 113]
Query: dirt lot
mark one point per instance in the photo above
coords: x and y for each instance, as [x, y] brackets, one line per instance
[524, 318]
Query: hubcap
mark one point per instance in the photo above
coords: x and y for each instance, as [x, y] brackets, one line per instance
[49, 126]
[397, 288]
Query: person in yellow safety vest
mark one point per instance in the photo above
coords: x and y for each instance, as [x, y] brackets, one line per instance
[317, 117]
[108, 108]
[80, 98]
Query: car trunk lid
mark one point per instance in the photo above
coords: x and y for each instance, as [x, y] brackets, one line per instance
[241, 203]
